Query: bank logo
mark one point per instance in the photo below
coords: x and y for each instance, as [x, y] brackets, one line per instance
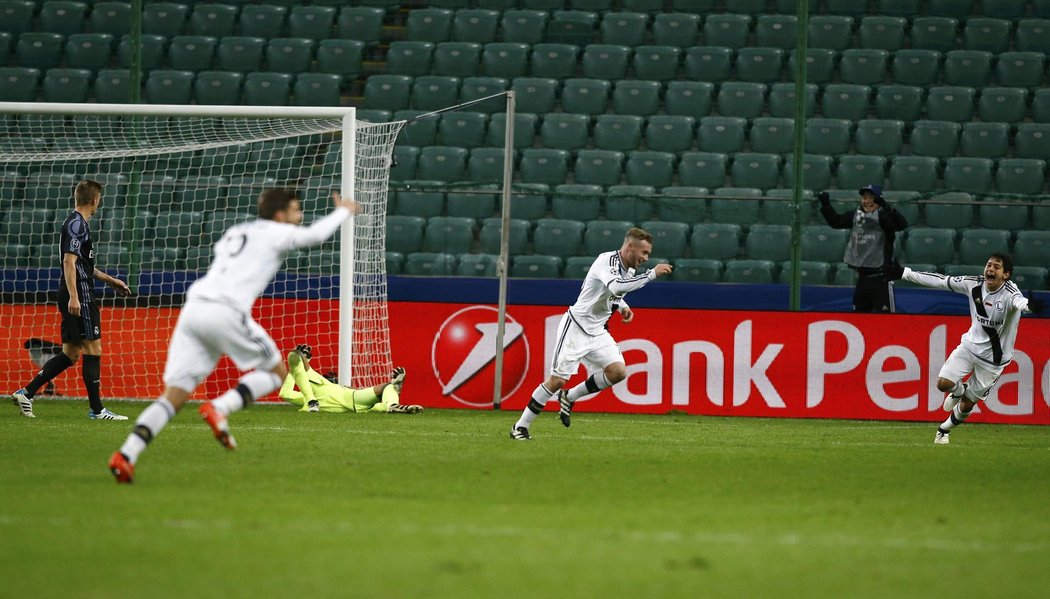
[463, 356]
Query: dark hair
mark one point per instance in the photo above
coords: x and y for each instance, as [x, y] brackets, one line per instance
[1008, 262]
[638, 235]
[86, 191]
[272, 201]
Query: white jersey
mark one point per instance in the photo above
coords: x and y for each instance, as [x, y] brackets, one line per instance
[249, 255]
[602, 292]
[995, 314]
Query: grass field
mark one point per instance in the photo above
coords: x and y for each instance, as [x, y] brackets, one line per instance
[444, 505]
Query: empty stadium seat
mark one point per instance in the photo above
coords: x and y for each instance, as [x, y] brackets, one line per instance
[214, 20]
[317, 89]
[820, 65]
[768, 242]
[434, 92]
[1032, 248]
[554, 61]
[635, 97]
[697, 270]
[934, 33]
[442, 163]
[985, 140]
[760, 65]
[986, 35]
[930, 245]
[169, 87]
[1020, 69]
[682, 204]
[693, 98]
[674, 133]
[475, 25]
[1003, 104]
[524, 130]
[939, 139]
[1022, 176]
[823, 243]
[656, 63]
[604, 235]
[618, 132]
[1002, 214]
[860, 66]
[448, 234]
[404, 234]
[741, 99]
[776, 31]
[536, 267]
[816, 172]
[476, 265]
[757, 170]
[17, 17]
[842, 101]
[38, 50]
[599, 167]
[736, 205]
[457, 59]
[1033, 35]
[727, 30]
[89, 51]
[914, 173]
[576, 202]
[555, 237]
[535, 95]
[490, 236]
[1033, 141]
[676, 29]
[430, 264]
[703, 169]
[651, 168]
[916, 67]
[879, 137]
[810, 273]
[191, 52]
[586, 96]
[717, 241]
[834, 32]
[946, 103]
[541, 165]
[267, 89]
[313, 22]
[721, 134]
[164, 18]
[899, 102]
[262, 20]
[882, 32]
[967, 68]
[856, 171]
[624, 28]
[975, 245]
[507, 60]
[464, 129]
[1041, 106]
[565, 131]
[828, 136]
[524, 26]
[708, 63]
[67, 85]
[748, 271]
[956, 211]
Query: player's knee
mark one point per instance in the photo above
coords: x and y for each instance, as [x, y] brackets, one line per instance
[280, 370]
[616, 373]
[944, 385]
[554, 384]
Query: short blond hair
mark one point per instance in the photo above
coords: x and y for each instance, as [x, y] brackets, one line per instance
[636, 234]
[86, 191]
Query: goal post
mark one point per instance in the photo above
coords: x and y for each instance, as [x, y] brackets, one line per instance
[174, 178]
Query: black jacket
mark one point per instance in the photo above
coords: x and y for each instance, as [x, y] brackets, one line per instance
[890, 220]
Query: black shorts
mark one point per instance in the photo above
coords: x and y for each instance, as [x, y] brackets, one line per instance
[86, 327]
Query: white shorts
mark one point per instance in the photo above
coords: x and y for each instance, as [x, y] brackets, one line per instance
[961, 363]
[207, 330]
[574, 346]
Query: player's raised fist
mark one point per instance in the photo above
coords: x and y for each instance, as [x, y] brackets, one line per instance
[662, 269]
[339, 202]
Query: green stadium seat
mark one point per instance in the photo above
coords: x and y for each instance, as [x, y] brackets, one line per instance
[1005, 9]
[950, 104]
[755, 170]
[490, 235]
[906, 202]
[89, 51]
[834, 32]
[419, 132]
[914, 173]
[1030, 277]
[842, 101]
[317, 89]
[164, 18]
[697, 270]
[882, 32]
[602, 61]
[604, 236]
[153, 51]
[154, 258]
[213, 20]
[457, 59]
[669, 238]
[169, 87]
[1020, 69]
[464, 129]
[650, 168]
[404, 234]
[564, 131]
[575, 27]
[475, 25]
[524, 26]
[823, 244]
[577, 267]
[1003, 104]
[624, 28]
[598, 167]
[311, 22]
[703, 169]
[768, 242]
[863, 67]
[390, 92]
[986, 35]
[618, 132]
[828, 136]
[820, 65]
[967, 68]
[430, 264]
[934, 33]
[856, 171]
[879, 137]
[958, 9]
[693, 98]
[554, 61]
[340, 57]
[656, 63]
[939, 139]
[412, 58]
[1033, 35]
[955, 213]
[507, 60]
[267, 89]
[243, 54]
[718, 241]
[811, 273]
[542, 165]
[476, 265]
[723, 134]
[262, 20]
[899, 102]
[289, 55]
[448, 234]
[778, 206]
[985, 140]
[476, 88]
[1032, 248]
[36, 50]
[556, 237]
[736, 205]
[17, 16]
[178, 229]
[395, 262]
[486, 165]
[585, 96]
[442, 163]
[1022, 176]
[1002, 216]
[776, 31]
[30, 226]
[207, 195]
[536, 267]
[363, 23]
[708, 63]
[670, 133]
[898, 8]
[676, 29]
[50, 190]
[816, 171]
[5, 47]
[782, 102]
[1041, 106]
[191, 52]
[472, 204]
[975, 245]
[930, 245]
[524, 129]
[535, 95]
[434, 92]
[772, 135]
[636, 97]
[682, 204]
[429, 25]
[759, 65]
[1033, 141]
[748, 271]
[727, 30]
[67, 85]
[574, 201]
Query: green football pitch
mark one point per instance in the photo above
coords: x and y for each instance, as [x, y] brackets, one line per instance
[443, 504]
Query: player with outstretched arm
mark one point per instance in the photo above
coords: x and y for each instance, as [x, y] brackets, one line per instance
[583, 334]
[216, 319]
[986, 349]
[318, 394]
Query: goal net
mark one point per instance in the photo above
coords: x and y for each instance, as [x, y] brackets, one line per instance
[174, 178]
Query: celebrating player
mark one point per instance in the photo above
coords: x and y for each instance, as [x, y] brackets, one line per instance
[583, 333]
[318, 394]
[81, 317]
[987, 347]
[216, 319]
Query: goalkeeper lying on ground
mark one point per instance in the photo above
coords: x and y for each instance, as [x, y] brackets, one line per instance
[318, 394]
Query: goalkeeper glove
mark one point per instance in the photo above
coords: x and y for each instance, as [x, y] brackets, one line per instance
[892, 272]
[305, 350]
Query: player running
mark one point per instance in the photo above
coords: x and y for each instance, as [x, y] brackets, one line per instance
[318, 394]
[987, 348]
[216, 319]
[583, 334]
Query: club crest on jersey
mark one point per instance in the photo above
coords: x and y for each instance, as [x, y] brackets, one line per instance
[999, 306]
[74, 244]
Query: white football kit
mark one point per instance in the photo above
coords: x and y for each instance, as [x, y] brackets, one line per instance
[216, 318]
[987, 348]
[582, 333]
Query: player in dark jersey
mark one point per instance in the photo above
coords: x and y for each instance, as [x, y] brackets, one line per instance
[81, 323]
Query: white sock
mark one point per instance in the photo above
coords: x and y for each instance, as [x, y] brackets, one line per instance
[594, 383]
[956, 418]
[253, 385]
[150, 422]
[958, 390]
[540, 396]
